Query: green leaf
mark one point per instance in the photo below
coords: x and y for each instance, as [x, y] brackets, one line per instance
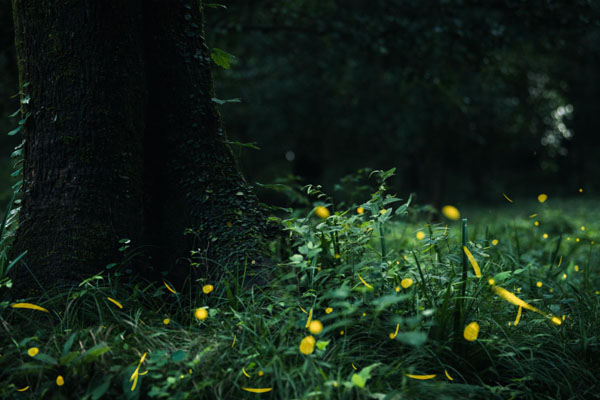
[322, 344]
[222, 58]
[46, 358]
[215, 5]
[412, 338]
[178, 356]
[15, 131]
[95, 352]
[68, 344]
[101, 389]
[358, 381]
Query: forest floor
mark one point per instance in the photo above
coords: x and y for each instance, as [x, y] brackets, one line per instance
[340, 318]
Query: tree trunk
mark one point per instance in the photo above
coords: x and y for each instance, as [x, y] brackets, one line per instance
[123, 141]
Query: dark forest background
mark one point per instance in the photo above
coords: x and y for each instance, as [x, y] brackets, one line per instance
[468, 100]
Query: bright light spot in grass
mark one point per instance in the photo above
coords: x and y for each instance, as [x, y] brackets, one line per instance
[206, 289]
[260, 373]
[564, 276]
[448, 375]
[576, 268]
[335, 384]
[245, 373]
[341, 333]
[393, 334]
[582, 228]
[397, 289]
[29, 306]
[539, 284]
[337, 256]
[166, 321]
[473, 262]
[134, 376]
[60, 380]
[451, 212]
[568, 238]
[564, 317]
[169, 288]
[406, 283]
[201, 313]
[310, 313]
[328, 310]
[421, 377]
[512, 298]
[471, 331]
[364, 314]
[115, 302]
[580, 190]
[23, 389]
[545, 236]
[551, 290]
[420, 235]
[257, 390]
[33, 351]
[307, 345]
[315, 327]
[360, 210]
[536, 223]
[354, 366]
[364, 282]
[577, 240]
[382, 212]
[506, 197]
[533, 216]
[556, 320]
[491, 281]
[495, 242]
[322, 212]
[542, 197]
[518, 316]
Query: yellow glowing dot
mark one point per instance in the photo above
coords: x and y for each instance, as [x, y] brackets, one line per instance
[201, 313]
[166, 321]
[491, 281]
[451, 212]
[322, 212]
[551, 290]
[471, 331]
[181, 376]
[328, 310]
[335, 384]
[382, 212]
[360, 210]
[568, 238]
[556, 320]
[315, 327]
[495, 242]
[60, 380]
[580, 190]
[577, 239]
[307, 345]
[539, 284]
[545, 236]
[206, 289]
[33, 351]
[582, 228]
[536, 223]
[260, 373]
[542, 197]
[397, 289]
[341, 333]
[364, 314]
[576, 268]
[420, 235]
[564, 317]
[337, 256]
[190, 371]
[564, 276]
[406, 283]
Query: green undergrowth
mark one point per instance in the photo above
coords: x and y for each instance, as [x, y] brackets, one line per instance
[389, 299]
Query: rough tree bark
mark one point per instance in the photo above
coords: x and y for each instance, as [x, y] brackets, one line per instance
[123, 141]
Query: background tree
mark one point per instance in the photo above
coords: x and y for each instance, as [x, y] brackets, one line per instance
[123, 140]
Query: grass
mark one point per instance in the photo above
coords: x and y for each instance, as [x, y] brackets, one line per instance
[391, 328]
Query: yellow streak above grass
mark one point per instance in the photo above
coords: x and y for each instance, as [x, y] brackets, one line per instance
[473, 262]
[257, 390]
[29, 306]
[421, 377]
[115, 302]
[169, 288]
[364, 282]
[448, 375]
